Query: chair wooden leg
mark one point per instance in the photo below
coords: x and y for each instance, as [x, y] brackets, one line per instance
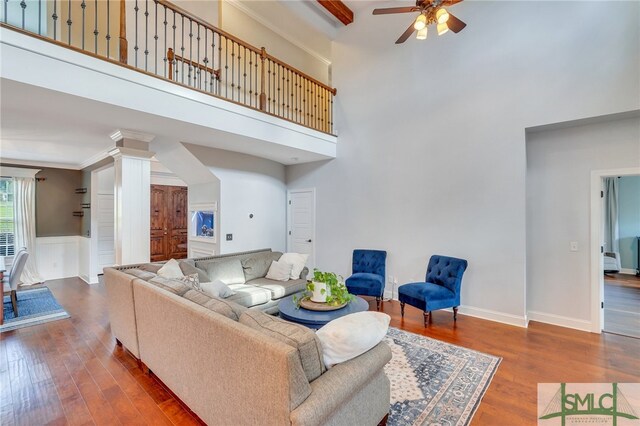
[383, 422]
[426, 314]
[378, 299]
[402, 309]
[455, 313]
[118, 342]
[14, 302]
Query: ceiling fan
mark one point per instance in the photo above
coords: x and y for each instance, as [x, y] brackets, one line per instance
[431, 12]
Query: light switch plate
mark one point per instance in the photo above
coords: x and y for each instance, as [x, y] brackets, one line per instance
[573, 246]
[229, 237]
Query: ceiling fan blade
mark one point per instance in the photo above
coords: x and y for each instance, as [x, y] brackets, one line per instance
[390, 10]
[406, 34]
[455, 24]
[450, 2]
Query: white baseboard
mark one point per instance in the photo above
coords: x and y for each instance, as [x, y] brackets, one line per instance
[488, 314]
[562, 321]
[628, 271]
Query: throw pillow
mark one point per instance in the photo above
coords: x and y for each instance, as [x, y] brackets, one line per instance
[192, 281]
[279, 271]
[188, 269]
[228, 271]
[298, 261]
[257, 265]
[171, 269]
[296, 335]
[352, 335]
[216, 289]
[151, 267]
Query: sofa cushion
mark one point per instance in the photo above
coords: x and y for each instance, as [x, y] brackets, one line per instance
[298, 260]
[151, 267]
[249, 295]
[140, 273]
[256, 266]
[174, 286]
[280, 289]
[229, 271]
[216, 289]
[279, 271]
[188, 268]
[171, 269]
[222, 307]
[296, 335]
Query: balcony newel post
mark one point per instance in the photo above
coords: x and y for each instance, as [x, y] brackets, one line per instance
[263, 95]
[123, 31]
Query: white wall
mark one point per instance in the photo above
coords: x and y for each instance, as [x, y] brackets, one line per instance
[431, 156]
[559, 165]
[248, 185]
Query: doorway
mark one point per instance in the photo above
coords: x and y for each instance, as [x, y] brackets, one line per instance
[615, 245]
[102, 221]
[168, 222]
[301, 223]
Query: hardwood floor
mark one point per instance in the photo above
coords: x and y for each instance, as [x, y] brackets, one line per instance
[71, 371]
[622, 304]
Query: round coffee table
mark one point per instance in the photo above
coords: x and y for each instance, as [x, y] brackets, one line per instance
[316, 319]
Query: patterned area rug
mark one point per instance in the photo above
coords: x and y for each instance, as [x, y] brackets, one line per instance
[35, 306]
[433, 382]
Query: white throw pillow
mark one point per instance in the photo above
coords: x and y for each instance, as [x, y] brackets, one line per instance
[279, 271]
[352, 335]
[298, 261]
[216, 289]
[171, 269]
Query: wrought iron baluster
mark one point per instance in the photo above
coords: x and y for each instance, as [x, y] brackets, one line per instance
[240, 86]
[108, 31]
[146, 34]
[226, 68]
[83, 5]
[198, 70]
[135, 47]
[244, 73]
[5, 10]
[165, 42]
[54, 16]
[155, 40]
[95, 28]
[233, 69]
[39, 17]
[279, 90]
[173, 61]
[69, 22]
[182, 50]
[23, 5]
[191, 52]
[213, 60]
[205, 60]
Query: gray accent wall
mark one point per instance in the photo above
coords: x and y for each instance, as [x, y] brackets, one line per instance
[56, 201]
[629, 220]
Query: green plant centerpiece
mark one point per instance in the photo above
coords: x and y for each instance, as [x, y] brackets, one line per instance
[326, 287]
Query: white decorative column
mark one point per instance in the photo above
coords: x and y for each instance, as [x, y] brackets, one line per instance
[132, 196]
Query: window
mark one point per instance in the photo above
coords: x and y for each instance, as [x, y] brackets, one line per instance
[6, 217]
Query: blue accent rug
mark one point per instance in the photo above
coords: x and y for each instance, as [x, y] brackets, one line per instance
[35, 306]
[433, 382]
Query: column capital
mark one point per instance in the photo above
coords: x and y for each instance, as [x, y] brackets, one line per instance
[123, 134]
[120, 152]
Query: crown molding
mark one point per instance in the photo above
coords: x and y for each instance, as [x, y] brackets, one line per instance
[29, 163]
[120, 134]
[238, 5]
[130, 153]
[20, 172]
[94, 159]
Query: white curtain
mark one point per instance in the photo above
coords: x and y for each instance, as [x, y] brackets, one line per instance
[611, 234]
[24, 202]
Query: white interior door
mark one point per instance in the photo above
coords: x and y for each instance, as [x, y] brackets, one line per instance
[106, 240]
[301, 223]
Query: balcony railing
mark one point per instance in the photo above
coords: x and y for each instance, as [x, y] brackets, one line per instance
[159, 38]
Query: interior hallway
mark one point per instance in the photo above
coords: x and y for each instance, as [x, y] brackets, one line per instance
[622, 304]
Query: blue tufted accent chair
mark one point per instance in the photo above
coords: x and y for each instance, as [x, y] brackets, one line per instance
[440, 290]
[369, 269]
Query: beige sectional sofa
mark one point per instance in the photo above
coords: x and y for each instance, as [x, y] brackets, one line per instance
[234, 364]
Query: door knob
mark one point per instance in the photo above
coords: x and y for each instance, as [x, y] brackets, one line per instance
[165, 233]
[308, 241]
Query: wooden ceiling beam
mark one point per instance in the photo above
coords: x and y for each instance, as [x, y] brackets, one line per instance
[338, 9]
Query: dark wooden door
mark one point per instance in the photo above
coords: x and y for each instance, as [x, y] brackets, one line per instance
[168, 222]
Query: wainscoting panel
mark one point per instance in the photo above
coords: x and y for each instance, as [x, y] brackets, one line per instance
[58, 257]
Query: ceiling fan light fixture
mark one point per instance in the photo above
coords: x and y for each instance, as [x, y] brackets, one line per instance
[422, 34]
[442, 15]
[442, 28]
[421, 22]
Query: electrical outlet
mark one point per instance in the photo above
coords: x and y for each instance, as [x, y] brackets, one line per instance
[229, 237]
[573, 246]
